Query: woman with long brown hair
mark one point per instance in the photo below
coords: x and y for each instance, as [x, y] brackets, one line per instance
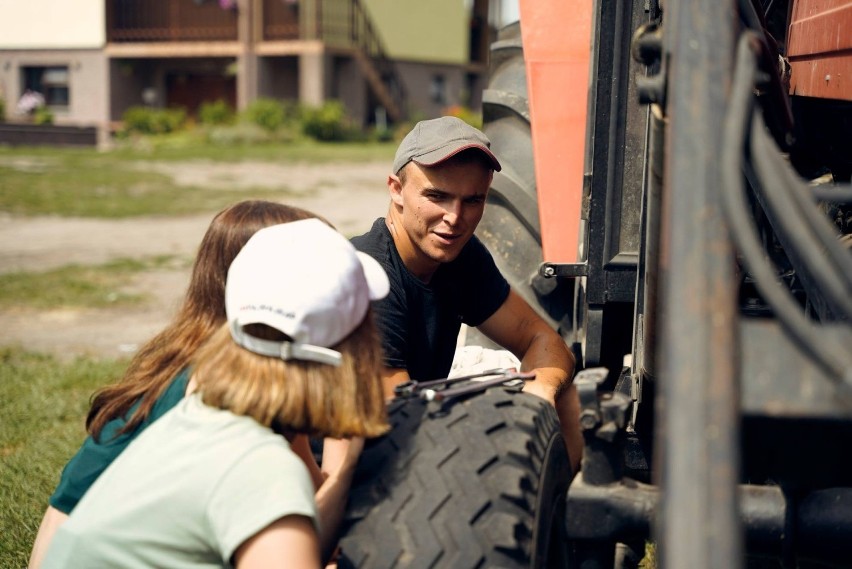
[157, 378]
[213, 482]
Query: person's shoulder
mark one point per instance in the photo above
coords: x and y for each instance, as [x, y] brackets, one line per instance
[375, 232]
[375, 242]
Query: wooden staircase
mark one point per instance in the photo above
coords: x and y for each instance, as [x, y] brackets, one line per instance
[345, 23]
[382, 87]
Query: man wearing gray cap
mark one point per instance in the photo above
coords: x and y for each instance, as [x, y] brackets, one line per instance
[441, 275]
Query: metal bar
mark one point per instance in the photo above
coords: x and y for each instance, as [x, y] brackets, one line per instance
[567, 270]
[698, 422]
[413, 386]
[511, 380]
[626, 510]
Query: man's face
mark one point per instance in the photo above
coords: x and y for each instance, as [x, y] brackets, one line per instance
[440, 208]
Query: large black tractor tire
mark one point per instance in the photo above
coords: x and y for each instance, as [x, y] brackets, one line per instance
[510, 227]
[480, 483]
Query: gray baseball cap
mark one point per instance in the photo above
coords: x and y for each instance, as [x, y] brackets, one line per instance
[432, 141]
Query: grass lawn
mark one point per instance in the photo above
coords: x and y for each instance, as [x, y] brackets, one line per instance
[43, 402]
[43, 405]
[75, 286]
[93, 183]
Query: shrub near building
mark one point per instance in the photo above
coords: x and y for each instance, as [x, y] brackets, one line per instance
[328, 122]
[145, 120]
[264, 120]
[215, 113]
[269, 114]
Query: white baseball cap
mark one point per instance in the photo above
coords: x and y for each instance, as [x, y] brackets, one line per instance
[306, 280]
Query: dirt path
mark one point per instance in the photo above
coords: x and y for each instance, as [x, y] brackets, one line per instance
[350, 196]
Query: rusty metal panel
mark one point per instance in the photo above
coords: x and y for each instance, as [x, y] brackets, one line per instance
[819, 47]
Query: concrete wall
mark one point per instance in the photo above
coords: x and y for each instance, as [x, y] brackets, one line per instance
[129, 79]
[349, 87]
[458, 90]
[52, 24]
[278, 77]
[87, 82]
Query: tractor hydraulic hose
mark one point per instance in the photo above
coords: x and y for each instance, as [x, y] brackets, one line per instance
[841, 194]
[824, 350]
[794, 231]
[777, 106]
[804, 203]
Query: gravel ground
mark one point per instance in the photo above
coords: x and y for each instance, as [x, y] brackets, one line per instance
[350, 196]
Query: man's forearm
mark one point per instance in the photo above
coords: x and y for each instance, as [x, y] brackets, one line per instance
[553, 364]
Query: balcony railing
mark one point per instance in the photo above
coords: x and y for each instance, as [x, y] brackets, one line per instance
[339, 23]
[173, 20]
[281, 19]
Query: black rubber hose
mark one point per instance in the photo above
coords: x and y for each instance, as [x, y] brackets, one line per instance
[789, 217]
[777, 106]
[803, 197]
[823, 349]
[841, 194]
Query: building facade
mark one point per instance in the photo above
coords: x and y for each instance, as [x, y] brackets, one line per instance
[91, 60]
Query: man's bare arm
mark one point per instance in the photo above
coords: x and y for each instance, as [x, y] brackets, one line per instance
[518, 328]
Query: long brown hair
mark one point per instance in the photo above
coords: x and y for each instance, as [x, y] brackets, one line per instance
[202, 313]
[295, 396]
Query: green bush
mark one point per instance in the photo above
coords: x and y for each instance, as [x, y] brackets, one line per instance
[42, 115]
[145, 120]
[382, 134]
[138, 119]
[268, 114]
[327, 123]
[215, 113]
[465, 114]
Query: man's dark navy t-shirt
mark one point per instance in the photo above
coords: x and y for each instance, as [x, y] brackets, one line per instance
[419, 323]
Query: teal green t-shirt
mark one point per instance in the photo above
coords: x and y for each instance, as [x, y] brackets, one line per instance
[94, 457]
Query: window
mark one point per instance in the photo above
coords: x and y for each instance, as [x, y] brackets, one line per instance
[51, 82]
[438, 90]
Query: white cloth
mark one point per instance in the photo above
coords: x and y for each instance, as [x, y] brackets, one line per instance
[475, 359]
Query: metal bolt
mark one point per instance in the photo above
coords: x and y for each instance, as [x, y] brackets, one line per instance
[827, 78]
[549, 272]
[589, 419]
